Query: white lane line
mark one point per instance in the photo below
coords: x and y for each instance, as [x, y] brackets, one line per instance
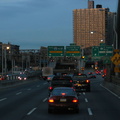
[45, 100]
[3, 99]
[31, 111]
[110, 91]
[45, 83]
[18, 93]
[83, 93]
[86, 100]
[89, 111]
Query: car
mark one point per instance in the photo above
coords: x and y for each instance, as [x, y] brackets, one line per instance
[98, 72]
[2, 77]
[63, 98]
[50, 77]
[22, 77]
[60, 81]
[103, 75]
[89, 73]
[81, 82]
[92, 76]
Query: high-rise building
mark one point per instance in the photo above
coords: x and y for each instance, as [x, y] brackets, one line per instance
[90, 4]
[90, 25]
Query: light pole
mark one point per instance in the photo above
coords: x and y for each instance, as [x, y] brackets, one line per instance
[4, 57]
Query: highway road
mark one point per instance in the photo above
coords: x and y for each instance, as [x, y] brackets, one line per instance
[29, 102]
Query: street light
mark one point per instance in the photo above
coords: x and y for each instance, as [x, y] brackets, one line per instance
[4, 56]
[102, 40]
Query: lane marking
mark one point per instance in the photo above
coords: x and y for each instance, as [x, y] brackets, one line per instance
[18, 93]
[45, 100]
[83, 93]
[86, 100]
[45, 83]
[3, 99]
[89, 111]
[110, 91]
[31, 111]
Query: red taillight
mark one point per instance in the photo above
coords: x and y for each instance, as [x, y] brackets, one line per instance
[50, 88]
[51, 100]
[79, 73]
[63, 93]
[71, 81]
[75, 100]
[87, 81]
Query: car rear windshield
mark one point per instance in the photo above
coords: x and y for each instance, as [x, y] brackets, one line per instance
[58, 92]
[62, 78]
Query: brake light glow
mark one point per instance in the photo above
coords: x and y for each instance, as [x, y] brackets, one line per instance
[63, 93]
[75, 100]
[71, 81]
[50, 88]
[51, 100]
[79, 73]
[87, 81]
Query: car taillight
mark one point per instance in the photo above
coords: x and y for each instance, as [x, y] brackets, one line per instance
[63, 94]
[87, 81]
[75, 100]
[71, 81]
[50, 88]
[48, 78]
[51, 100]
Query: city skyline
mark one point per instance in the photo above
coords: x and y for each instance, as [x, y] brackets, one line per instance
[35, 23]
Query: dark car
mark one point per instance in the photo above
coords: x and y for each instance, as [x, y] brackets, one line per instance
[92, 76]
[22, 77]
[81, 82]
[63, 98]
[60, 81]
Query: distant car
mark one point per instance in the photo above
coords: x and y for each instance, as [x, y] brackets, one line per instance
[103, 75]
[22, 77]
[50, 77]
[2, 77]
[89, 73]
[98, 72]
[92, 76]
[60, 81]
[63, 98]
[81, 83]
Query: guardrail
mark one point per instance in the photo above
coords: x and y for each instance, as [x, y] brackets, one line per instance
[13, 79]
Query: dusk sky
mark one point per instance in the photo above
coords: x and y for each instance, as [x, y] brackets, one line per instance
[35, 23]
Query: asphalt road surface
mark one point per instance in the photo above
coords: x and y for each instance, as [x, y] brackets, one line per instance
[29, 102]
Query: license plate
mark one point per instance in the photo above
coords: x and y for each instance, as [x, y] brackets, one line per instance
[63, 100]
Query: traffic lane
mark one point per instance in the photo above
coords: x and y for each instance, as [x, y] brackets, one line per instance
[41, 112]
[102, 103]
[16, 107]
[14, 89]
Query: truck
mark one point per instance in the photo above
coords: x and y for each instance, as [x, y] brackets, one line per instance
[46, 71]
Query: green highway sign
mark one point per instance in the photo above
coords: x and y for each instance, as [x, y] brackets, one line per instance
[103, 50]
[73, 51]
[95, 51]
[55, 51]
